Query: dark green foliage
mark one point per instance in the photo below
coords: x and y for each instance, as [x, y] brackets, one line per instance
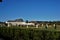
[17, 33]
[46, 27]
[16, 20]
[27, 21]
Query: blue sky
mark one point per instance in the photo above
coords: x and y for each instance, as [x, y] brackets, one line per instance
[30, 10]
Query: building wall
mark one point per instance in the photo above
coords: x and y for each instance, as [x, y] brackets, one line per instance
[19, 23]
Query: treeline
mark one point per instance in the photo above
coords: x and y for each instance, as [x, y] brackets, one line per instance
[17, 33]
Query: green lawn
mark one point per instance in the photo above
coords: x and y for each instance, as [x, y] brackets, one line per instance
[32, 33]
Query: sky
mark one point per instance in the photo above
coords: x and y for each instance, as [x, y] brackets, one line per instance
[43, 10]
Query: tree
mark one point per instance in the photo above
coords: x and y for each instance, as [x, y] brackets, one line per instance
[26, 21]
[19, 20]
[46, 27]
[16, 20]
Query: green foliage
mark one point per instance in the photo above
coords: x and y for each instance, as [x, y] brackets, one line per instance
[17, 33]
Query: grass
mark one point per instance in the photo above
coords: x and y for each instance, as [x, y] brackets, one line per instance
[39, 28]
[24, 33]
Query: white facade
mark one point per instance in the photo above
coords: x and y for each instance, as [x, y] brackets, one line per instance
[19, 23]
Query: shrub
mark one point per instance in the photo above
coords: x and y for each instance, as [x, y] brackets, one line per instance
[17, 33]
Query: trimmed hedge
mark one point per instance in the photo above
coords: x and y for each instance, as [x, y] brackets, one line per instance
[17, 33]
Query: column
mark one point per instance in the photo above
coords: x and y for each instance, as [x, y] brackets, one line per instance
[8, 24]
[54, 25]
[27, 26]
[37, 26]
[42, 25]
[46, 25]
